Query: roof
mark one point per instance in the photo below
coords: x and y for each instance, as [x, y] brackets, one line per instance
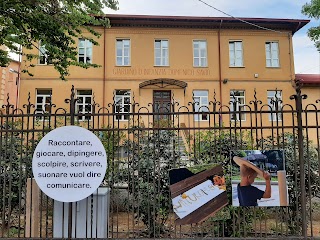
[118, 20]
[309, 80]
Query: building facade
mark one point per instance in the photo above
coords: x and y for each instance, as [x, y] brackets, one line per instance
[9, 85]
[161, 59]
[311, 87]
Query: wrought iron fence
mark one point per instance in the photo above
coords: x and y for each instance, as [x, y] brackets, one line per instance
[140, 153]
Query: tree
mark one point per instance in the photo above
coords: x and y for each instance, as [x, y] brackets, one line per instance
[312, 10]
[56, 23]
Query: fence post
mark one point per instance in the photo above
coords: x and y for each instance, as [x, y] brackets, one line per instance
[72, 102]
[298, 100]
[32, 209]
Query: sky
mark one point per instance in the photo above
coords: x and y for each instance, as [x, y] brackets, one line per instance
[306, 56]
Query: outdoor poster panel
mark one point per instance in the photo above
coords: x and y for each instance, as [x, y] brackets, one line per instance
[258, 178]
[197, 192]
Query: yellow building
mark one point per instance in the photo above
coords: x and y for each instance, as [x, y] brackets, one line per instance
[160, 59]
[310, 84]
[9, 83]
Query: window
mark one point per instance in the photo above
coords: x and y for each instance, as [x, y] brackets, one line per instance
[235, 54]
[275, 103]
[123, 52]
[237, 102]
[43, 56]
[161, 53]
[199, 53]
[43, 101]
[201, 105]
[83, 105]
[85, 51]
[122, 104]
[272, 54]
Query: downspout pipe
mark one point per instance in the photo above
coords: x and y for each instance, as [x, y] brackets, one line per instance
[220, 71]
[104, 74]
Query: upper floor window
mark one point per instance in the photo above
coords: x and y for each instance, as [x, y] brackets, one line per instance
[85, 51]
[43, 56]
[83, 105]
[161, 53]
[123, 52]
[43, 102]
[237, 105]
[200, 98]
[275, 105]
[122, 104]
[272, 54]
[235, 54]
[200, 53]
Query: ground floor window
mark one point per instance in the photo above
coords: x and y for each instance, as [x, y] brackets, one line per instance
[83, 105]
[275, 105]
[122, 104]
[200, 98]
[43, 101]
[237, 105]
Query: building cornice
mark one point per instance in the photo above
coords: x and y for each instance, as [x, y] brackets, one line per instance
[130, 31]
[148, 21]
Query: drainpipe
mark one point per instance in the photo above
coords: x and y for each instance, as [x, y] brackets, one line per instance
[18, 78]
[292, 74]
[104, 74]
[220, 74]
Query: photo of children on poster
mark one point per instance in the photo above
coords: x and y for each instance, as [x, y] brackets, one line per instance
[197, 192]
[258, 178]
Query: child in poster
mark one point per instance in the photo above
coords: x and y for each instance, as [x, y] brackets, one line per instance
[248, 194]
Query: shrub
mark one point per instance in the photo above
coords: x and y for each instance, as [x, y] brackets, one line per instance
[14, 168]
[151, 156]
[289, 143]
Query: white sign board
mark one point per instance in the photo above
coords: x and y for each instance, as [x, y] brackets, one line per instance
[69, 163]
[194, 198]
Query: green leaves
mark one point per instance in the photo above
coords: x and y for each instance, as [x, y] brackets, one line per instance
[53, 22]
[312, 10]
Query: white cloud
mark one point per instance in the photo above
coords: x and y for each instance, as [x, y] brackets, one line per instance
[306, 56]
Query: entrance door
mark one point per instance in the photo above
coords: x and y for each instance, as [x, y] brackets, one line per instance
[161, 104]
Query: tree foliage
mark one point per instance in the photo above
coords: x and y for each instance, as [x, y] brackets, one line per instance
[312, 10]
[56, 23]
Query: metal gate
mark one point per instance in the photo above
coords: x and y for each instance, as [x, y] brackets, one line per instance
[141, 153]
